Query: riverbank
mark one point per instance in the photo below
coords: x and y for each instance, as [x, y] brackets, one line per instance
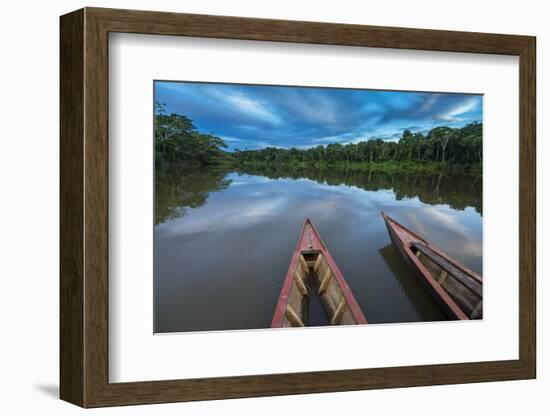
[382, 167]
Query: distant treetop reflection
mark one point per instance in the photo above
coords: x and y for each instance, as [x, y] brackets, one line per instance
[459, 191]
[179, 189]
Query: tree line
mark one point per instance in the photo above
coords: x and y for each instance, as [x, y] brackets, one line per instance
[178, 140]
[439, 145]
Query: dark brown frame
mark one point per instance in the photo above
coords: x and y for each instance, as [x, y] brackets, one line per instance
[84, 208]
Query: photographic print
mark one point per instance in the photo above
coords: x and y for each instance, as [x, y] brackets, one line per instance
[291, 206]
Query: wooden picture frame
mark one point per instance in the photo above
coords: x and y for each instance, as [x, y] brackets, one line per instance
[84, 207]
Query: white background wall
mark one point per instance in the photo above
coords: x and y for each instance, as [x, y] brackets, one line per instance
[29, 159]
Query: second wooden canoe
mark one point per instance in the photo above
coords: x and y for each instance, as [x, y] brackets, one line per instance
[456, 288]
[312, 273]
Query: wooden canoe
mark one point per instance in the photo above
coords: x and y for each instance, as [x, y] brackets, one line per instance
[457, 289]
[313, 275]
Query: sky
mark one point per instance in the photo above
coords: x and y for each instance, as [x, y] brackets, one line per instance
[258, 116]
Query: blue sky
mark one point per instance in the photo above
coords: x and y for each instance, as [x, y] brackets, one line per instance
[254, 117]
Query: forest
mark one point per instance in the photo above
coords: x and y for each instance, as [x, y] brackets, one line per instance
[178, 140]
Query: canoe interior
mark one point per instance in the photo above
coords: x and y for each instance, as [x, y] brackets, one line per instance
[457, 289]
[314, 282]
[461, 287]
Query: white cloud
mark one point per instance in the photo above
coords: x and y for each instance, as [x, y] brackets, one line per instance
[463, 107]
[247, 105]
[232, 139]
[209, 217]
[332, 139]
[429, 103]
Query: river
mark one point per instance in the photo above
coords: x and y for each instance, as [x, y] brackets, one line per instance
[223, 240]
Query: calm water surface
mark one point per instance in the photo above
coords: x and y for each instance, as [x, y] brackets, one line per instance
[223, 240]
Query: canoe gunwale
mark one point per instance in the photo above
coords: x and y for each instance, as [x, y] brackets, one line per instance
[440, 294]
[344, 287]
[280, 308]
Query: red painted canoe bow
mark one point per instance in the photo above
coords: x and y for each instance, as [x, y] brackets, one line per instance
[313, 272]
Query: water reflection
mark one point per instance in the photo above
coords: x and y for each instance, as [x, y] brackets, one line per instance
[457, 191]
[178, 189]
[223, 240]
[424, 307]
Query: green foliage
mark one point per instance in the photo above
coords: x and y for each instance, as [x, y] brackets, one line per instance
[442, 145]
[177, 140]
